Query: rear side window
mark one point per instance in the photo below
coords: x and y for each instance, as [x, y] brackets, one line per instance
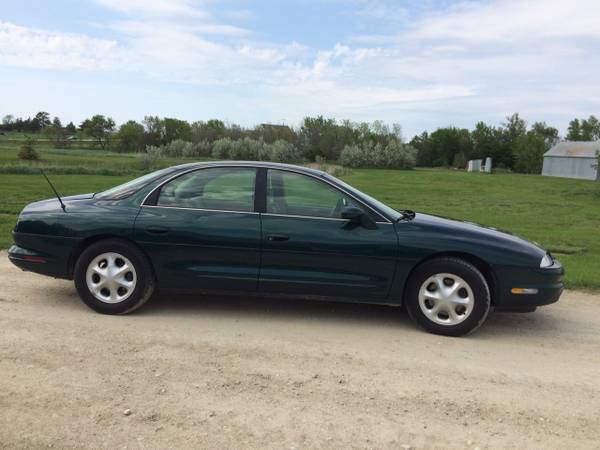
[223, 189]
[290, 193]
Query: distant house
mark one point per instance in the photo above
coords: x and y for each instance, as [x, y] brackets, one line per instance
[571, 159]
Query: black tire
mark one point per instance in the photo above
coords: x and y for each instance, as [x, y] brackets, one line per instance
[462, 269]
[144, 285]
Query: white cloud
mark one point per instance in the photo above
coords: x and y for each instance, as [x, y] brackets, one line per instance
[41, 49]
[512, 21]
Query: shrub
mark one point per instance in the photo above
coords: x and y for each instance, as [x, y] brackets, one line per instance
[174, 148]
[394, 155]
[27, 152]
[197, 150]
[252, 150]
[149, 159]
[281, 151]
[245, 149]
[222, 148]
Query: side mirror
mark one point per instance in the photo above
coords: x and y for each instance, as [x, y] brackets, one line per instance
[358, 216]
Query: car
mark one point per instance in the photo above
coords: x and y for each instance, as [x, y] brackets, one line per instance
[270, 229]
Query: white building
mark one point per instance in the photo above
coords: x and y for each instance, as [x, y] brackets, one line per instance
[571, 159]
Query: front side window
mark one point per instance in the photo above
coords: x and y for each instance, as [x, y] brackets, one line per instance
[294, 194]
[226, 189]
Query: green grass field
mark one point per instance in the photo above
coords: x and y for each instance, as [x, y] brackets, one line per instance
[562, 215]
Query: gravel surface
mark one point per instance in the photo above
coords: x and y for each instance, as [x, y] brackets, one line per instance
[252, 373]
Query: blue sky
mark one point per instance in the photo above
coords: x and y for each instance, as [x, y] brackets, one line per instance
[422, 64]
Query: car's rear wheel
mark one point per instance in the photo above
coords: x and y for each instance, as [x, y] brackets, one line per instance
[113, 277]
[448, 296]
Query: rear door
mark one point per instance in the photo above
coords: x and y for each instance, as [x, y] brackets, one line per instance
[308, 249]
[201, 231]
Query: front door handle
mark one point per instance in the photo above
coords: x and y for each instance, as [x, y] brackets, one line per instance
[277, 237]
[157, 230]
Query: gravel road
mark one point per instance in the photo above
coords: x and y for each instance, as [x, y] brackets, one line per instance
[246, 373]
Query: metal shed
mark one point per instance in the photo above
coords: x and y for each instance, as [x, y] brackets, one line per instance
[570, 159]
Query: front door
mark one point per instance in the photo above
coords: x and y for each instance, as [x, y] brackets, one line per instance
[202, 231]
[308, 249]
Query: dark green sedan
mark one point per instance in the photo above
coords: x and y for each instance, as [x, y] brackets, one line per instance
[275, 229]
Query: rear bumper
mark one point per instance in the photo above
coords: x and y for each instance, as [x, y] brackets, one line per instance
[546, 284]
[46, 255]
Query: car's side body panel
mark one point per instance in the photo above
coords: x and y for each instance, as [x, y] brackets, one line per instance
[201, 249]
[511, 262]
[55, 235]
[321, 256]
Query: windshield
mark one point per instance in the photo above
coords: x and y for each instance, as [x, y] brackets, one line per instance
[126, 189]
[382, 207]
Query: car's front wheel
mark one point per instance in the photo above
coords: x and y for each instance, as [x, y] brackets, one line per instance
[448, 296]
[113, 277]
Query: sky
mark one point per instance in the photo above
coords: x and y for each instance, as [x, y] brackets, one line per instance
[422, 64]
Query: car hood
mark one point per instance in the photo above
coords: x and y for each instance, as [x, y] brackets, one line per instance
[475, 232]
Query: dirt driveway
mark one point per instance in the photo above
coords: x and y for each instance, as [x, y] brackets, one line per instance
[239, 373]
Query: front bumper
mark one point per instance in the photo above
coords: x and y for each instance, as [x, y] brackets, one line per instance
[546, 282]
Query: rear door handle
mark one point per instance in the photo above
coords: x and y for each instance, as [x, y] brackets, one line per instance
[277, 237]
[157, 230]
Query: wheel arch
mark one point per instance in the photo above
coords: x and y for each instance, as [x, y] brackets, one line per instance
[85, 243]
[484, 267]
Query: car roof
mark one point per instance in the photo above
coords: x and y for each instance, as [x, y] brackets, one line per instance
[265, 164]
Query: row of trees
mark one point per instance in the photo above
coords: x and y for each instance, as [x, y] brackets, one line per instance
[512, 145]
[316, 136]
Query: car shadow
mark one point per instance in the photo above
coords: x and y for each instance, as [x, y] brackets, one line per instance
[544, 322]
[537, 324]
[280, 308]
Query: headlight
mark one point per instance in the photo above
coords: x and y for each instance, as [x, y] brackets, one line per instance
[547, 261]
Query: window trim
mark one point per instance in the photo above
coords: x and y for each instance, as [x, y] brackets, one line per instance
[260, 190]
[151, 200]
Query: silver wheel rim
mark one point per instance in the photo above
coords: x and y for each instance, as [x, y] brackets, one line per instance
[446, 299]
[111, 277]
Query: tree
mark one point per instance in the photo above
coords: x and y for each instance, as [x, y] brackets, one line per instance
[549, 134]
[154, 129]
[447, 142]
[175, 129]
[41, 121]
[584, 129]
[209, 131]
[324, 138]
[529, 152]
[99, 128]
[56, 134]
[8, 119]
[590, 129]
[574, 131]
[271, 133]
[515, 126]
[423, 145]
[71, 128]
[131, 137]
